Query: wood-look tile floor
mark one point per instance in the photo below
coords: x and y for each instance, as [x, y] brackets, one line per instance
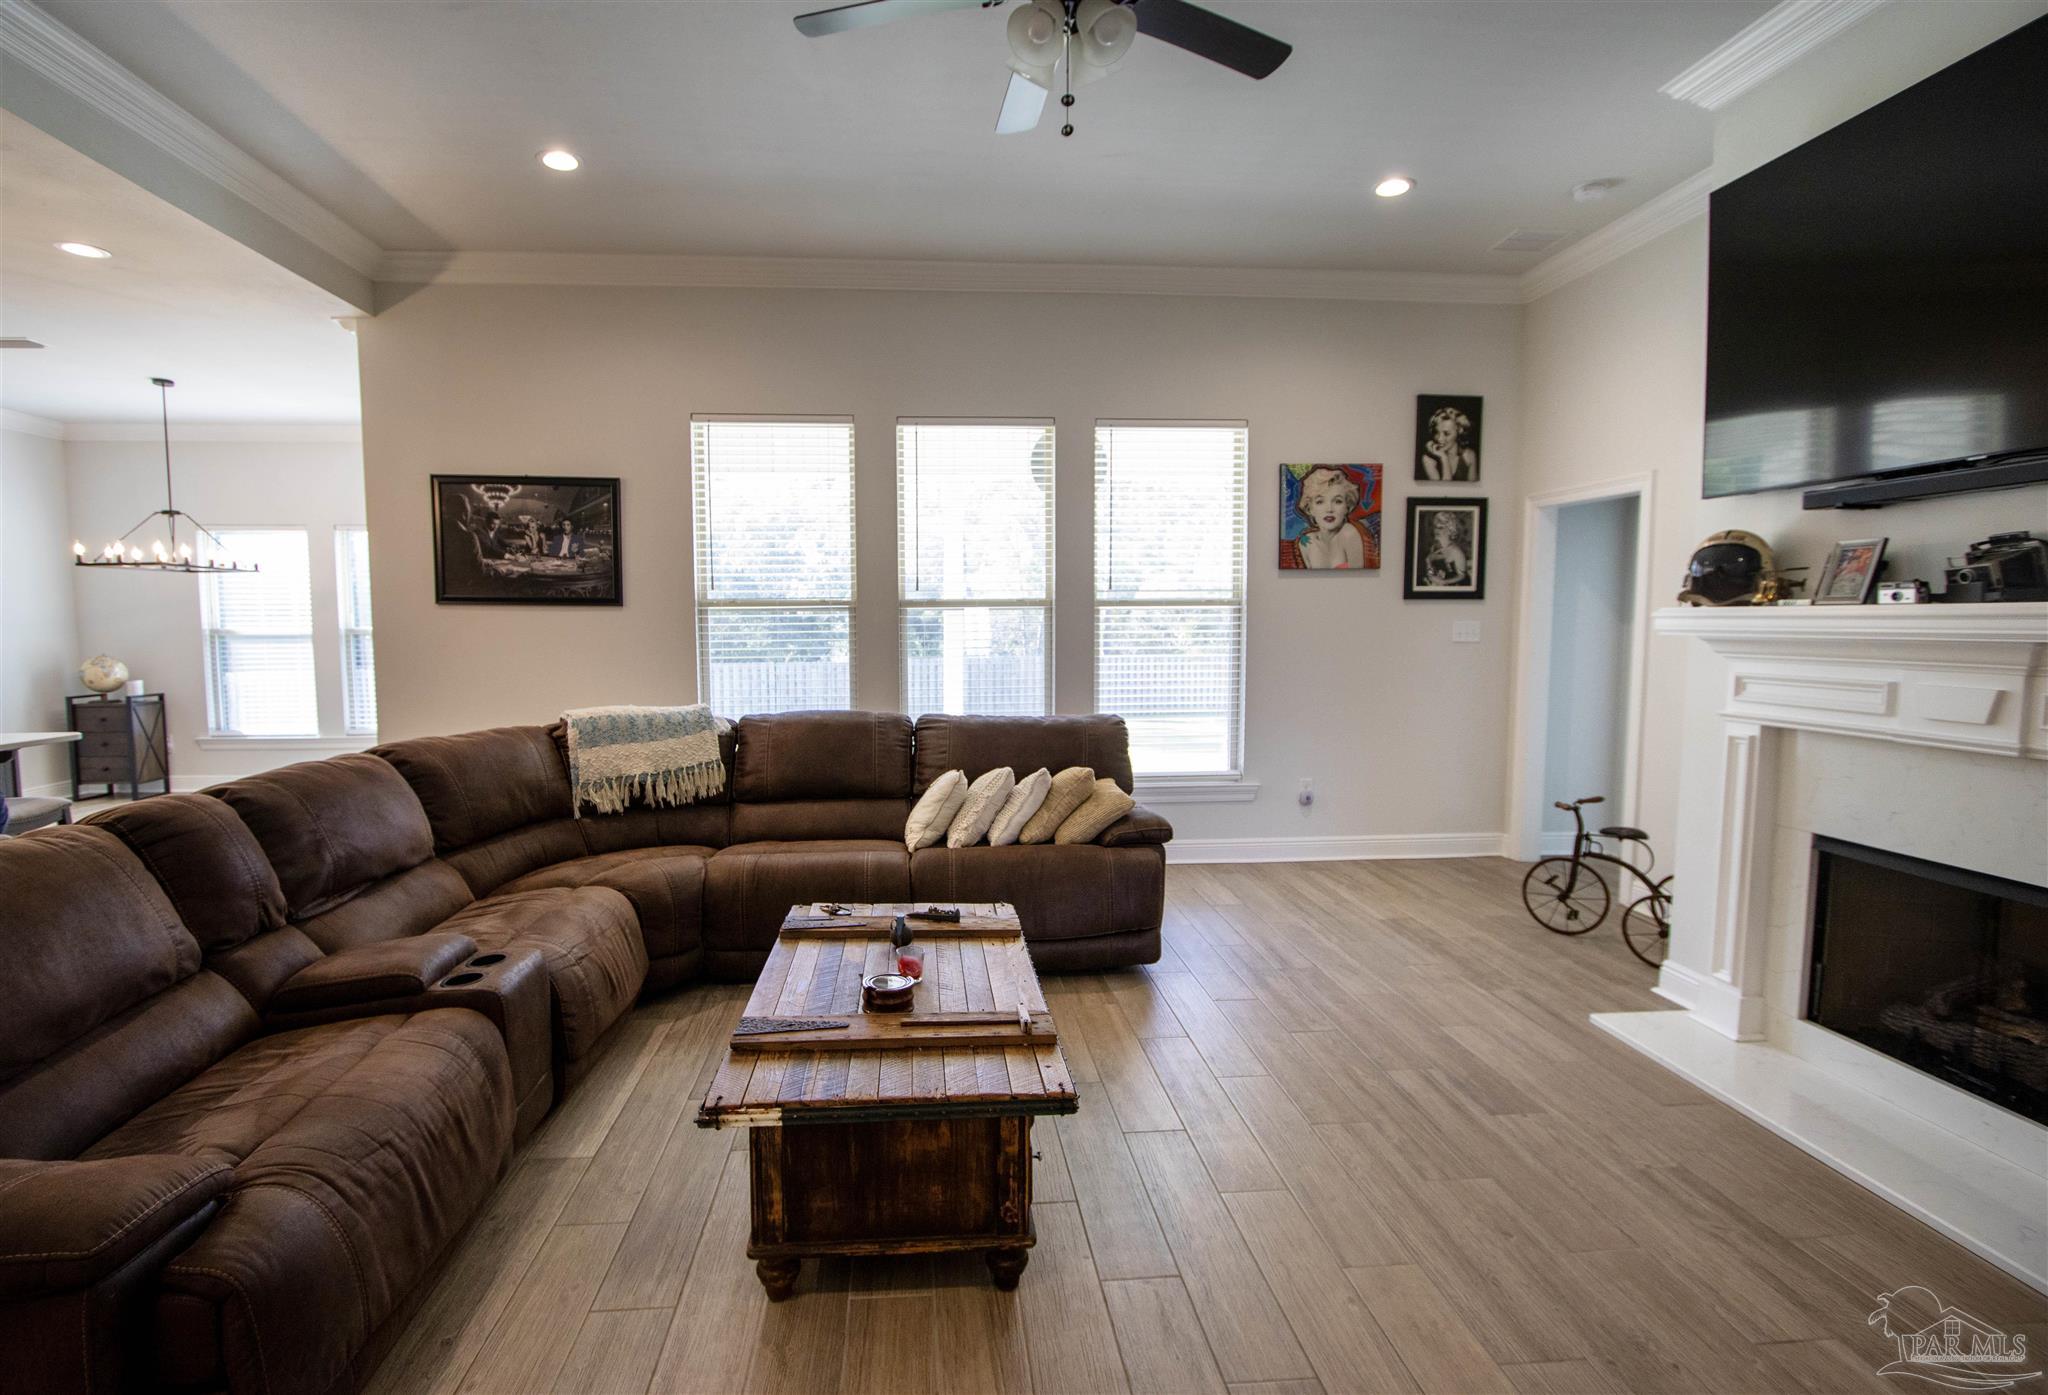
[1352, 1133]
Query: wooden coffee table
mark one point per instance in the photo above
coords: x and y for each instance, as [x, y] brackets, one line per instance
[866, 1140]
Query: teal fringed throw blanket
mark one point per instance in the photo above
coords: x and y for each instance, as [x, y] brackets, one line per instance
[662, 755]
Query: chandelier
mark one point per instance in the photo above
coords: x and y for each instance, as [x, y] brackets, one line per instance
[166, 554]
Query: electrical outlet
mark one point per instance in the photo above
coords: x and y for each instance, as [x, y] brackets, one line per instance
[1464, 632]
[1307, 796]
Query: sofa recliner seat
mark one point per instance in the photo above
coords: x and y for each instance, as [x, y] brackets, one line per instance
[228, 1207]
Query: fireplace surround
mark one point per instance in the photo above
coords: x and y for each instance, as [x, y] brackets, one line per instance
[1919, 730]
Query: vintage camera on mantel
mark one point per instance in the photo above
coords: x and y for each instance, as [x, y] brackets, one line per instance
[2004, 567]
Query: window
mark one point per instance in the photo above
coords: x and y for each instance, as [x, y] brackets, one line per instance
[974, 549]
[358, 658]
[1169, 591]
[259, 636]
[774, 506]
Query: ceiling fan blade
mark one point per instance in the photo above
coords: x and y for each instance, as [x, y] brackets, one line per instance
[818, 23]
[1022, 104]
[1209, 35]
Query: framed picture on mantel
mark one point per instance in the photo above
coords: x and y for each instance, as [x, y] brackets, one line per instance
[526, 540]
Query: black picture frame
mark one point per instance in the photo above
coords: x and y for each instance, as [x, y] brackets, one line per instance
[1426, 569]
[495, 540]
[1462, 417]
[1855, 561]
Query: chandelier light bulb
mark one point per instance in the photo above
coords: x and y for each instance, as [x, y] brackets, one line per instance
[184, 552]
[77, 549]
[135, 554]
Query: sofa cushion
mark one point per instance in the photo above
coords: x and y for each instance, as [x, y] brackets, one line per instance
[799, 819]
[121, 1067]
[1068, 791]
[985, 799]
[750, 887]
[665, 885]
[407, 903]
[980, 744]
[666, 826]
[1061, 890]
[488, 865]
[822, 755]
[331, 827]
[363, 1147]
[207, 862]
[591, 944]
[87, 934]
[483, 782]
[1104, 805]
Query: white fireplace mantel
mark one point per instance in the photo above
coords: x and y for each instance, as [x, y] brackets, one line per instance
[1966, 677]
[1967, 680]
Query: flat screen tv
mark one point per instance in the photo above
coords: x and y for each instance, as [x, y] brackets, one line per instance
[1878, 298]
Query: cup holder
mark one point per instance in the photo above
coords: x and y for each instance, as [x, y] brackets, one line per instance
[460, 980]
[484, 961]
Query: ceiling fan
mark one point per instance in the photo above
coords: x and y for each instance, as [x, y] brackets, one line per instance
[1082, 39]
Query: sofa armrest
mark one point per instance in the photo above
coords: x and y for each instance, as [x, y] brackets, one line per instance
[1139, 828]
[66, 1225]
[372, 973]
[511, 988]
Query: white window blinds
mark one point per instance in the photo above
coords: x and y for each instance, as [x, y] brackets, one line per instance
[1169, 591]
[358, 658]
[974, 549]
[774, 506]
[259, 636]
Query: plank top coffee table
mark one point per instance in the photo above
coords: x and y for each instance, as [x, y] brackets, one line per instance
[899, 1133]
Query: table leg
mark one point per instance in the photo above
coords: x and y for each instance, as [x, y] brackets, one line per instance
[1007, 1266]
[778, 1276]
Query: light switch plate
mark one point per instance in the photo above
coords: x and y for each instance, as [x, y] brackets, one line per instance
[1464, 632]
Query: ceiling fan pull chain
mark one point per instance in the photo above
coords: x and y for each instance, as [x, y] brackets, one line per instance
[1067, 69]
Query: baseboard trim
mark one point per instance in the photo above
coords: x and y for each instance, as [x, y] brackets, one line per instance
[1364, 847]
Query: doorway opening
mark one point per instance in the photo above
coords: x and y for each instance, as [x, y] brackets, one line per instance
[1582, 649]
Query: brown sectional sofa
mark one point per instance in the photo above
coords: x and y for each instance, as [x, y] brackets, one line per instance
[265, 1050]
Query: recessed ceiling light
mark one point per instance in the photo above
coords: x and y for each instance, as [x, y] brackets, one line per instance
[84, 249]
[1393, 186]
[560, 160]
[1594, 190]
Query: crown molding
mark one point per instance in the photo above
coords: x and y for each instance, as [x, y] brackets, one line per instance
[62, 58]
[29, 425]
[808, 273]
[1677, 205]
[277, 433]
[1780, 37]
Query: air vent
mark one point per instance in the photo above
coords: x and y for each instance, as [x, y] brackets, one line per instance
[1530, 240]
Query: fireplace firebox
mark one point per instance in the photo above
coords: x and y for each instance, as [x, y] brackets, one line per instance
[1941, 968]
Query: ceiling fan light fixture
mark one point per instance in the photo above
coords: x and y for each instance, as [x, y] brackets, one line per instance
[1035, 30]
[1106, 30]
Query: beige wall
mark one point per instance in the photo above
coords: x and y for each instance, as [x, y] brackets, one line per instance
[1346, 683]
[151, 622]
[38, 653]
[1615, 372]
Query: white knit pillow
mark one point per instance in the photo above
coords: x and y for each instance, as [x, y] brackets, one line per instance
[985, 799]
[933, 814]
[1019, 807]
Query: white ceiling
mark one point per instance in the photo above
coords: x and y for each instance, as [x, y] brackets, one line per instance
[715, 128]
[245, 340]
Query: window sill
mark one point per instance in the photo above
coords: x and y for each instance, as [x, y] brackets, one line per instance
[222, 742]
[1196, 791]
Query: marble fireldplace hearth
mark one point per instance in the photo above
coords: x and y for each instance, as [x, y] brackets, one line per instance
[1862, 900]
